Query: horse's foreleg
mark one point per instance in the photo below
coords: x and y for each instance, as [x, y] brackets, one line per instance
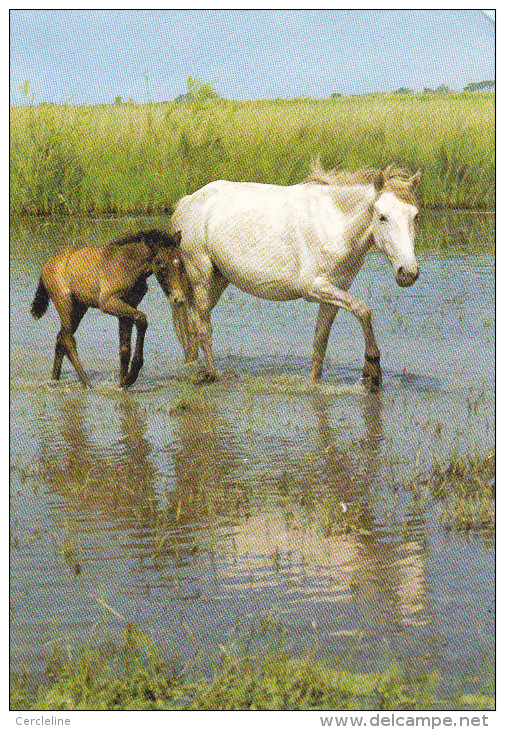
[185, 327]
[125, 334]
[325, 318]
[112, 304]
[203, 328]
[138, 355]
[324, 292]
[206, 295]
[202, 323]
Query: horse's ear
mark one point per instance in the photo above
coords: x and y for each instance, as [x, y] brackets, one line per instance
[379, 181]
[177, 237]
[416, 179]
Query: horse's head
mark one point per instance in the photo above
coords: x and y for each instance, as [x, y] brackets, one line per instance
[394, 212]
[168, 267]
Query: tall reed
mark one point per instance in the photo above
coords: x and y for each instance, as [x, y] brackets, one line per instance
[128, 158]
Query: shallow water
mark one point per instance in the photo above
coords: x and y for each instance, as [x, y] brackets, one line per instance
[194, 510]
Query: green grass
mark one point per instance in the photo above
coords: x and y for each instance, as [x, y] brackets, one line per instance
[464, 490]
[141, 159]
[134, 676]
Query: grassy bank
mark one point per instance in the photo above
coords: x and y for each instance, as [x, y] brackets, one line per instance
[134, 676]
[142, 158]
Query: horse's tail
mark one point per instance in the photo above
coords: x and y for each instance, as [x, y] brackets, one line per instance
[40, 302]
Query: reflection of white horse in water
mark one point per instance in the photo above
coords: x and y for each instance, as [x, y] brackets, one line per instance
[302, 241]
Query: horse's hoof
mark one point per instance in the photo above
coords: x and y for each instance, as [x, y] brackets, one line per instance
[210, 377]
[372, 385]
[192, 372]
[372, 375]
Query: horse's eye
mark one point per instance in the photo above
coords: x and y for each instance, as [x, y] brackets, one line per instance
[382, 218]
[416, 217]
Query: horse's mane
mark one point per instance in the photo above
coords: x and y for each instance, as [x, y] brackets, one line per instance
[396, 179]
[153, 237]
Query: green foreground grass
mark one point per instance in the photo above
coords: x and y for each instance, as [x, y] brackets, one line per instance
[133, 676]
[141, 159]
[464, 491]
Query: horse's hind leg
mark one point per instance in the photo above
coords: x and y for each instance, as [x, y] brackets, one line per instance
[59, 354]
[78, 312]
[71, 313]
[325, 318]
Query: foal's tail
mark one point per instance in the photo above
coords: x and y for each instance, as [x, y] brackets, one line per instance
[40, 302]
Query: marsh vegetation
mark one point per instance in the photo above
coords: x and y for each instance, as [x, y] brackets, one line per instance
[134, 158]
[135, 675]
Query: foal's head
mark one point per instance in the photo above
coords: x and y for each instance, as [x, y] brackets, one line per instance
[168, 266]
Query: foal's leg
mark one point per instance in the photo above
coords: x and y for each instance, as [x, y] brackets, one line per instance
[325, 318]
[138, 357]
[117, 307]
[78, 312]
[71, 313]
[125, 336]
[59, 354]
[326, 293]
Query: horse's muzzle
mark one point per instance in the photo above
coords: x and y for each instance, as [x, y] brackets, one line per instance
[406, 278]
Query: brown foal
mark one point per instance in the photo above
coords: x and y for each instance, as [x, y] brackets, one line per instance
[112, 278]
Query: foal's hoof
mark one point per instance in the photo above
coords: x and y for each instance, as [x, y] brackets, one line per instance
[130, 380]
[372, 374]
[210, 377]
[373, 385]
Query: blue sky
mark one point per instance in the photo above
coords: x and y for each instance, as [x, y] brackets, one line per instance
[92, 56]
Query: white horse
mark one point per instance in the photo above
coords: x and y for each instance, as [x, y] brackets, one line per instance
[301, 241]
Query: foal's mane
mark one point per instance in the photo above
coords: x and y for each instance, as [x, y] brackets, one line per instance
[397, 180]
[152, 237]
